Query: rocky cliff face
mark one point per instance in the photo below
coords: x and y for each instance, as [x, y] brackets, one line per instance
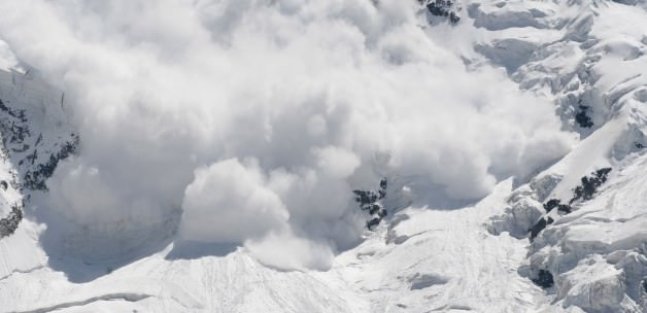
[36, 135]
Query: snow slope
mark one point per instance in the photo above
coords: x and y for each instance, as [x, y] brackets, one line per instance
[595, 253]
[425, 260]
[586, 57]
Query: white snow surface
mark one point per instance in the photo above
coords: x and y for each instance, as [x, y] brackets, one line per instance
[426, 260]
[441, 249]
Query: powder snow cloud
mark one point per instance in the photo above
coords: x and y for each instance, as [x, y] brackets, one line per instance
[253, 120]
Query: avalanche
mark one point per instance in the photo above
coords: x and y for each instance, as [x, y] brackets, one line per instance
[201, 156]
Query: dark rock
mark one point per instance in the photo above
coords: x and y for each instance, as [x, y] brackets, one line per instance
[590, 185]
[582, 118]
[365, 197]
[382, 191]
[556, 203]
[383, 184]
[369, 200]
[535, 230]
[9, 224]
[544, 279]
[35, 179]
[541, 224]
[603, 173]
[441, 8]
[551, 204]
[374, 208]
[372, 223]
[564, 208]
[19, 114]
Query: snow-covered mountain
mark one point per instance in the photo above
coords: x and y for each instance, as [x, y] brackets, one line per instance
[201, 156]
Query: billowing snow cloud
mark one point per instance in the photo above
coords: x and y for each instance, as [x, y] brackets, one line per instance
[254, 119]
[228, 202]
